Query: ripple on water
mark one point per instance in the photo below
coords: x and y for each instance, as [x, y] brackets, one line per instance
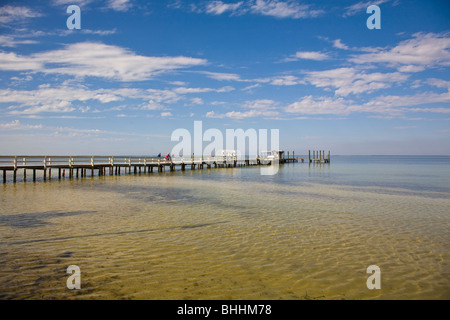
[179, 237]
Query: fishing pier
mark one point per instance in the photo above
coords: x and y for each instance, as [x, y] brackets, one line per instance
[61, 167]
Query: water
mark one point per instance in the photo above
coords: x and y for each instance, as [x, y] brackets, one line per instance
[308, 232]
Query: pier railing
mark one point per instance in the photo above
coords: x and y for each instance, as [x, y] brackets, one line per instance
[79, 165]
[16, 162]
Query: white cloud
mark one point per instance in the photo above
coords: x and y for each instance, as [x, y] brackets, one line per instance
[219, 7]
[260, 104]
[339, 45]
[178, 83]
[184, 90]
[243, 114]
[151, 106]
[410, 68]
[352, 81]
[291, 9]
[96, 60]
[16, 125]
[308, 55]
[64, 99]
[223, 76]
[386, 105]
[13, 62]
[99, 32]
[361, 7]
[166, 114]
[9, 41]
[197, 101]
[79, 3]
[9, 14]
[284, 9]
[253, 86]
[47, 99]
[119, 5]
[439, 83]
[280, 80]
[320, 105]
[257, 108]
[423, 50]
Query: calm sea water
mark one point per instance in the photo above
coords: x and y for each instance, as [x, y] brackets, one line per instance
[308, 232]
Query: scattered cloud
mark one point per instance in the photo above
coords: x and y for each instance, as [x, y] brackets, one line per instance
[423, 50]
[361, 7]
[119, 5]
[387, 106]
[284, 9]
[10, 41]
[287, 80]
[14, 14]
[339, 45]
[238, 115]
[308, 55]
[353, 81]
[16, 125]
[79, 3]
[166, 114]
[265, 108]
[219, 7]
[223, 76]
[291, 9]
[99, 32]
[197, 101]
[93, 59]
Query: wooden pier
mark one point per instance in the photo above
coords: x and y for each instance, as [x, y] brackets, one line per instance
[318, 157]
[84, 166]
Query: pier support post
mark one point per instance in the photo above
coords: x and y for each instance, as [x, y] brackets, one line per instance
[34, 175]
[4, 176]
[15, 175]
[45, 174]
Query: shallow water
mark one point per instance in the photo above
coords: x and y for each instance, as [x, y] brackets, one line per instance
[308, 232]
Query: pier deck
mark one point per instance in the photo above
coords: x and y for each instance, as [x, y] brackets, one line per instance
[84, 166]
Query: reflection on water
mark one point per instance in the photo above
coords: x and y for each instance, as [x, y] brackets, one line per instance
[306, 233]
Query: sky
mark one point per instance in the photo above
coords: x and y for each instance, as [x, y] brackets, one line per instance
[135, 71]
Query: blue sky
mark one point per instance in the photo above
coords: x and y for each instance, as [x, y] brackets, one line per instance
[138, 70]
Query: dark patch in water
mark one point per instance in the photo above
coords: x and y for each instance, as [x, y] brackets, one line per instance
[66, 254]
[36, 219]
[114, 233]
